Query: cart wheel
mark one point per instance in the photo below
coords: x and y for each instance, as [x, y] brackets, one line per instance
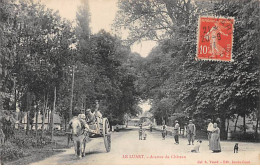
[106, 134]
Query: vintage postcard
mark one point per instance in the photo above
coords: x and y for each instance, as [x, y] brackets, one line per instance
[129, 82]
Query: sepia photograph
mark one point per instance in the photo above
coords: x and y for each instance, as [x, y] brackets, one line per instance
[129, 82]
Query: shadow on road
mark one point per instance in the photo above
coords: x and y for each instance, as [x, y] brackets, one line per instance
[124, 129]
[94, 152]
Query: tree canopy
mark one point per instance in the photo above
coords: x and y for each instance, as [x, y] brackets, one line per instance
[41, 51]
[170, 76]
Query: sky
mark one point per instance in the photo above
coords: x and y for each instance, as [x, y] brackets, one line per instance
[145, 106]
[102, 14]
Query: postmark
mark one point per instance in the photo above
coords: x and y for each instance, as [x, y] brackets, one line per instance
[215, 38]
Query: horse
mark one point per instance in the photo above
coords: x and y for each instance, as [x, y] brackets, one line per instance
[79, 136]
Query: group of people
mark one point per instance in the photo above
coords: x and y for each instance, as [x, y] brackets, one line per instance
[190, 129]
[175, 131]
[91, 116]
[212, 130]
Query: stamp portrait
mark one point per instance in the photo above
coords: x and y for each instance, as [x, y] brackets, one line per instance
[215, 38]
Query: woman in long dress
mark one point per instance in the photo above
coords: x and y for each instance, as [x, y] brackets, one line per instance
[215, 139]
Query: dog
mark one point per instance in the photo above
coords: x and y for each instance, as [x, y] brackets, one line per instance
[236, 148]
[196, 148]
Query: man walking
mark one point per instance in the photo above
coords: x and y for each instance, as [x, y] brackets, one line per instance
[209, 129]
[191, 132]
[176, 132]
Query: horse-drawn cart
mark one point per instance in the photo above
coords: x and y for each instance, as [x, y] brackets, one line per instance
[99, 128]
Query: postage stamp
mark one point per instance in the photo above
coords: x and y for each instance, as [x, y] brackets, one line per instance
[215, 38]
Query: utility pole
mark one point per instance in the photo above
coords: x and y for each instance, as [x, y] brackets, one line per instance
[72, 88]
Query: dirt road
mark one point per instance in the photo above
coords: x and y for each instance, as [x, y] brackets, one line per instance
[127, 149]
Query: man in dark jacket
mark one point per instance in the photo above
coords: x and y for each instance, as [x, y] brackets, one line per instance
[191, 132]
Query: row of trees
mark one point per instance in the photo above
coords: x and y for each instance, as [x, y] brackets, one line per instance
[34, 54]
[170, 76]
[48, 64]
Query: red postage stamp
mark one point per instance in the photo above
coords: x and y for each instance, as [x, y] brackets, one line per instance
[215, 38]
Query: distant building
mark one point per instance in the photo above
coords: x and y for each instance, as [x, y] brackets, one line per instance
[133, 122]
[56, 120]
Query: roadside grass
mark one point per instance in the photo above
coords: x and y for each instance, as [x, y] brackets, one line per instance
[24, 149]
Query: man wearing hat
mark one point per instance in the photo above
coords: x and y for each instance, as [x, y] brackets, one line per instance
[176, 132]
[191, 132]
[210, 129]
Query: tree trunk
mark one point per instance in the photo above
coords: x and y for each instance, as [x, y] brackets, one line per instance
[1, 97]
[223, 134]
[28, 108]
[244, 124]
[227, 125]
[236, 123]
[36, 124]
[65, 119]
[27, 124]
[72, 88]
[15, 98]
[48, 113]
[256, 127]
[44, 112]
[52, 114]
